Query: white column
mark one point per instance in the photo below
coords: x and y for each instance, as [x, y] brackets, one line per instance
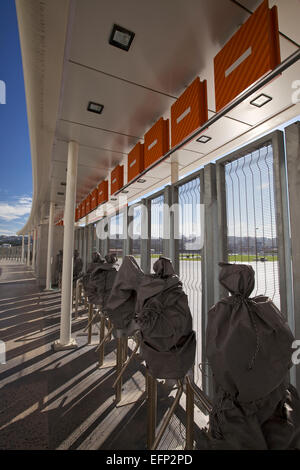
[28, 248]
[50, 245]
[65, 341]
[22, 252]
[33, 249]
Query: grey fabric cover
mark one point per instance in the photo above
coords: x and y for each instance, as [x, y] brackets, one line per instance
[100, 281]
[159, 307]
[77, 266]
[90, 288]
[249, 350]
[122, 299]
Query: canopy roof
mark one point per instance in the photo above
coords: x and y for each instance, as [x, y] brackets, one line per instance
[68, 61]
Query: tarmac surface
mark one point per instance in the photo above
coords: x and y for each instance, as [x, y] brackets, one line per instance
[63, 400]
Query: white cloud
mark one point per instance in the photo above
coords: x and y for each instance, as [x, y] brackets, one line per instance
[7, 232]
[13, 211]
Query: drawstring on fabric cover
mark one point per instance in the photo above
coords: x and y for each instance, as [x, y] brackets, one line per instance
[238, 299]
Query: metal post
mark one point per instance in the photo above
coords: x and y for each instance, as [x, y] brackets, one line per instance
[292, 139]
[145, 235]
[77, 297]
[167, 221]
[65, 340]
[50, 245]
[282, 225]
[101, 337]
[90, 322]
[85, 247]
[90, 229]
[28, 248]
[120, 356]
[151, 385]
[189, 444]
[127, 231]
[168, 417]
[34, 249]
[210, 261]
[22, 253]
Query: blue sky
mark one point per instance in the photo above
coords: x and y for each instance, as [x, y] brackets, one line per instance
[15, 168]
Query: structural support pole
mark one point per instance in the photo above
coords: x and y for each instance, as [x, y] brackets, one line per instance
[22, 253]
[292, 144]
[34, 249]
[50, 245]
[65, 341]
[28, 248]
[146, 235]
[209, 263]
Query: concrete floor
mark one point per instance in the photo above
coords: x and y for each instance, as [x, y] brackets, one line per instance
[62, 400]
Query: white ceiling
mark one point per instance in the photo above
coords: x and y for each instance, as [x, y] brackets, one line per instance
[175, 40]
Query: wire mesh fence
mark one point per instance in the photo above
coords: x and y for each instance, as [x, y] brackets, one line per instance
[136, 232]
[116, 235]
[157, 229]
[251, 218]
[189, 251]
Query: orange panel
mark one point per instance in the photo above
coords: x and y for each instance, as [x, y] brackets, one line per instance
[116, 179]
[135, 161]
[156, 141]
[102, 192]
[77, 214]
[88, 204]
[251, 53]
[94, 199]
[82, 209]
[189, 112]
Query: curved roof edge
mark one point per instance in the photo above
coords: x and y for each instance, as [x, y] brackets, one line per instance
[42, 30]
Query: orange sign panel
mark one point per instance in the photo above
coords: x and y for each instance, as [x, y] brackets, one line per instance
[117, 179]
[88, 204]
[82, 209]
[135, 161]
[102, 192]
[251, 53]
[77, 214]
[94, 199]
[189, 112]
[156, 141]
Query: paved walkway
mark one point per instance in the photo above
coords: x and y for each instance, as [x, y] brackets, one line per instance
[62, 400]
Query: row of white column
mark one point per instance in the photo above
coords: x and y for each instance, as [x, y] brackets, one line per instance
[29, 262]
[65, 341]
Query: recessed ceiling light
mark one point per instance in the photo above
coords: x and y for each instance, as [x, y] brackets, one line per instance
[261, 100]
[95, 107]
[203, 139]
[141, 180]
[121, 37]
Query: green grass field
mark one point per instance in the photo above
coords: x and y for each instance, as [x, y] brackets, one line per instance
[231, 258]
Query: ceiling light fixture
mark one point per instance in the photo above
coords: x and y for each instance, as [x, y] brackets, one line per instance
[121, 37]
[203, 139]
[261, 100]
[141, 180]
[95, 107]
[124, 191]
